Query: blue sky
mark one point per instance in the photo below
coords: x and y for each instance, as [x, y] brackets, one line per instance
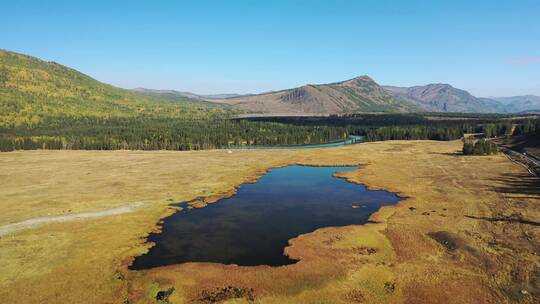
[491, 48]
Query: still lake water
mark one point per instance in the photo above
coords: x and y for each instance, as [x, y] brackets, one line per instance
[253, 226]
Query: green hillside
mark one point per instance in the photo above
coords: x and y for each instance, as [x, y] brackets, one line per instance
[33, 91]
[45, 105]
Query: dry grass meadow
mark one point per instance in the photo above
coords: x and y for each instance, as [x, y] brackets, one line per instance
[468, 231]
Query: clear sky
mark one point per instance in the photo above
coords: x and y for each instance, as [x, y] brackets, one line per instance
[491, 48]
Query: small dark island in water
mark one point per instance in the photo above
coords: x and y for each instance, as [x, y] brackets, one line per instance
[253, 226]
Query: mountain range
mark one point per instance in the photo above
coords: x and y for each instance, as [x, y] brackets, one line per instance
[360, 94]
[363, 94]
[33, 89]
[516, 104]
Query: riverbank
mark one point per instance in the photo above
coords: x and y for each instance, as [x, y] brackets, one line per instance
[353, 139]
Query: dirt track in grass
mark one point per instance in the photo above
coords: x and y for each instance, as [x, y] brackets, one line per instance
[36, 222]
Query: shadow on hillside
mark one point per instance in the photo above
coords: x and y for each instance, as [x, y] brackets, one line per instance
[518, 183]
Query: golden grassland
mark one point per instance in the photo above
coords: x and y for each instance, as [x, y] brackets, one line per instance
[467, 233]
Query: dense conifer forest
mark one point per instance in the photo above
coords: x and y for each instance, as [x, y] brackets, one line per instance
[142, 133]
[158, 133]
[377, 127]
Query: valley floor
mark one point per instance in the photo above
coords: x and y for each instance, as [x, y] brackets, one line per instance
[468, 231]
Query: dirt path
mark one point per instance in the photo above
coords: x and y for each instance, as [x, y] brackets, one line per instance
[39, 221]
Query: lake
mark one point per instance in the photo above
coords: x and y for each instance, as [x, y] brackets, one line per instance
[253, 226]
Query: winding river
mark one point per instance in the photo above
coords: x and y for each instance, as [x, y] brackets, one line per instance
[353, 139]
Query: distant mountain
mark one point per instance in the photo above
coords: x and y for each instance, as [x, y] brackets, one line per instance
[363, 94]
[360, 94]
[220, 96]
[441, 97]
[519, 103]
[175, 94]
[445, 98]
[169, 93]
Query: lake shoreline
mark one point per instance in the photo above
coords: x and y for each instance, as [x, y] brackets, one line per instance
[202, 202]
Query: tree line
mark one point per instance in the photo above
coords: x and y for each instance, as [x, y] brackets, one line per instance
[168, 133]
[147, 133]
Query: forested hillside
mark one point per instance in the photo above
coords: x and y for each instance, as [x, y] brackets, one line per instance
[33, 92]
[47, 105]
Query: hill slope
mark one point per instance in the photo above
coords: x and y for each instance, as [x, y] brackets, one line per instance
[33, 90]
[360, 94]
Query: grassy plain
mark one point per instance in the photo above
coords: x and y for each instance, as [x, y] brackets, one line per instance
[467, 233]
